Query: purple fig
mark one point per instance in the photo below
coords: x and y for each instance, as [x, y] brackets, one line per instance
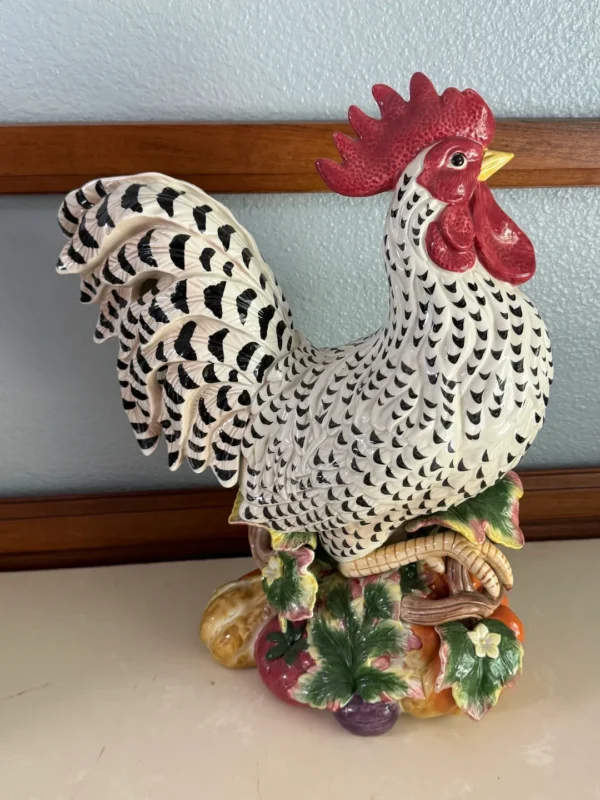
[367, 719]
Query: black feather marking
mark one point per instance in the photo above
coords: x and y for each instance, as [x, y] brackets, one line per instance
[226, 475]
[185, 379]
[109, 277]
[142, 362]
[215, 344]
[82, 199]
[245, 354]
[172, 394]
[265, 315]
[221, 454]
[106, 323]
[127, 334]
[183, 346]
[179, 297]
[139, 395]
[123, 262]
[264, 364]
[68, 215]
[280, 330]
[213, 297]
[147, 444]
[157, 313]
[139, 427]
[222, 401]
[130, 198]
[166, 197]
[200, 213]
[243, 302]
[224, 234]
[177, 249]
[86, 238]
[160, 353]
[204, 413]
[144, 250]
[209, 375]
[75, 256]
[205, 257]
[246, 256]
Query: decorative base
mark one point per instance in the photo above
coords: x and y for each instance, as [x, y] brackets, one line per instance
[365, 653]
[420, 626]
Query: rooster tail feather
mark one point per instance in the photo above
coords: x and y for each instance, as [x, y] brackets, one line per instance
[199, 316]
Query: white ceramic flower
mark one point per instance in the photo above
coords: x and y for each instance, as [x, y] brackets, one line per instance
[272, 569]
[486, 643]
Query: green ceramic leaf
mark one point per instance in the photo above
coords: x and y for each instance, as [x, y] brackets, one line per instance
[339, 603]
[288, 584]
[377, 640]
[410, 579]
[292, 541]
[355, 639]
[288, 643]
[325, 688]
[493, 513]
[294, 651]
[477, 681]
[333, 643]
[460, 654]
[371, 683]
[277, 651]
[377, 602]
[276, 636]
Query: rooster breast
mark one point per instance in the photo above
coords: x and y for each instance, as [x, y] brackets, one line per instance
[351, 442]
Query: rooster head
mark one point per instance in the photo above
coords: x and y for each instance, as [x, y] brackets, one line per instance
[454, 129]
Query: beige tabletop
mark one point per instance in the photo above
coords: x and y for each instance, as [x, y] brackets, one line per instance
[106, 694]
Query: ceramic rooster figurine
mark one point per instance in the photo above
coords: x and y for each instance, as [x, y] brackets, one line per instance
[338, 447]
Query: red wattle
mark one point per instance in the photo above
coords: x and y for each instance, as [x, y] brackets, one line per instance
[449, 239]
[502, 247]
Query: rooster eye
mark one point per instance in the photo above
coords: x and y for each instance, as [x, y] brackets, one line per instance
[458, 160]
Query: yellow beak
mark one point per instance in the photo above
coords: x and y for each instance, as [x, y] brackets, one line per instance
[493, 160]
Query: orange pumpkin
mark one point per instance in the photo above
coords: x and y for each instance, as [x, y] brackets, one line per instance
[434, 704]
[504, 614]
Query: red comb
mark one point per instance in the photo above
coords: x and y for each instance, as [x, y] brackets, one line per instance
[374, 161]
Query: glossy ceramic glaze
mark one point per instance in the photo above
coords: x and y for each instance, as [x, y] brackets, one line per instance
[409, 433]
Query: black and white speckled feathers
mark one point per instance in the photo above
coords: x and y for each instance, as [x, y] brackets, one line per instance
[199, 316]
[436, 406]
[348, 442]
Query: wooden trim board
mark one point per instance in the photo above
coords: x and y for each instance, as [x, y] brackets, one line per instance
[274, 157]
[166, 526]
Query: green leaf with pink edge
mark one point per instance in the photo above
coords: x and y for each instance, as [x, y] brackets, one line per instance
[281, 540]
[494, 513]
[289, 584]
[477, 681]
[358, 643]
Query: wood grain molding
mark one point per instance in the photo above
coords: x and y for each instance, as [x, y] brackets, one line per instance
[165, 526]
[274, 157]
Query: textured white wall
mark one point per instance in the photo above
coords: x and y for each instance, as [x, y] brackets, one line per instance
[62, 426]
[303, 59]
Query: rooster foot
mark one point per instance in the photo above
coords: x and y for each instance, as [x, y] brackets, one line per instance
[485, 561]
